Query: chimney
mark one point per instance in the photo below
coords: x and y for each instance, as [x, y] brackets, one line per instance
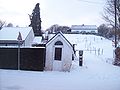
[46, 35]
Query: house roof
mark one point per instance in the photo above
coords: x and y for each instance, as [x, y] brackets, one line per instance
[84, 27]
[11, 33]
[59, 33]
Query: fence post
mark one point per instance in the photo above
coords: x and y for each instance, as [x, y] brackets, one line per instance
[74, 48]
[102, 51]
[95, 50]
[98, 51]
[80, 57]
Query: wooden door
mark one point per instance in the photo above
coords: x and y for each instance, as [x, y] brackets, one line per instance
[57, 62]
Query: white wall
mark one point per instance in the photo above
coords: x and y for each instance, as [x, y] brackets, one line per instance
[90, 31]
[66, 54]
[29, 39]
[49, 58]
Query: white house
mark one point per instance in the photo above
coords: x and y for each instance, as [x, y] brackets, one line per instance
[84, 28]
[9, 36]
[58, 53]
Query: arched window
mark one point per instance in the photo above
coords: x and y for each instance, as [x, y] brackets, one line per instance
[58, 43]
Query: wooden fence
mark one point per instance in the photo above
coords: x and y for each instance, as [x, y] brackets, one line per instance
[32, 59]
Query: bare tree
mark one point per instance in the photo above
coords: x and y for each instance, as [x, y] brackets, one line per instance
[109, 12]
[103, 30]
[56, 28]
[2, 23]
[9, 25]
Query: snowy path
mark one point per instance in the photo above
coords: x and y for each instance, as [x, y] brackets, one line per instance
[96, 73]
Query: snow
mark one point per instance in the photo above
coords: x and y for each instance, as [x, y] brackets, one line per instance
[97, 72]
[11, 33]
[37, 40]
[94, 44]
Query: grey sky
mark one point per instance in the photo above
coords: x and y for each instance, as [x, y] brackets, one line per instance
[62, 12]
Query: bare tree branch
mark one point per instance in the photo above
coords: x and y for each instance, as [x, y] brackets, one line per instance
[2, 23]
[109, 13]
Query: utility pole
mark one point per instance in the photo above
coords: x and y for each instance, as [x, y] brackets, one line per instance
[19, 39]
[115, 23]
[18, 55]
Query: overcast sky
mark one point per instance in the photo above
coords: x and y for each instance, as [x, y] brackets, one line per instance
[62, 12]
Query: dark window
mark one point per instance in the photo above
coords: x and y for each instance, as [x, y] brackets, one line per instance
[58, 43]
[58, 53]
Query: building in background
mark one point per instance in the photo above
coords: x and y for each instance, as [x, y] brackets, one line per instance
[84, 29]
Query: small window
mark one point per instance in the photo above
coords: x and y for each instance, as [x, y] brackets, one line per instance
[58, 43]
[58, 54]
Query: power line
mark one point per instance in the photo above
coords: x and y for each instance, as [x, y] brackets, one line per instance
[91, 2]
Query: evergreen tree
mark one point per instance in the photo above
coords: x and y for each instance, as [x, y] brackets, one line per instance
[36, 21]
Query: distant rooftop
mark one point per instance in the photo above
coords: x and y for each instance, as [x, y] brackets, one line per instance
[84, 27]
[11, 33]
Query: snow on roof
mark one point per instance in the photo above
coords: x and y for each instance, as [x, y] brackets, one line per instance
[84, 27]
[59, 34]
[37, 40]
[11, 33]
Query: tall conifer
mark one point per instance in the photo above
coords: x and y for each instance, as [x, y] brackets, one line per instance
[36, 21]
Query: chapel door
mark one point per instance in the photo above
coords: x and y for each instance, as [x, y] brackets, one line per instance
[57, 62]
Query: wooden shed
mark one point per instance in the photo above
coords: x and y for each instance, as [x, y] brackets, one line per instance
[58, 53]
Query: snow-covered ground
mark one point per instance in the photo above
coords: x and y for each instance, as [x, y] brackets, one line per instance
[97, 72]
